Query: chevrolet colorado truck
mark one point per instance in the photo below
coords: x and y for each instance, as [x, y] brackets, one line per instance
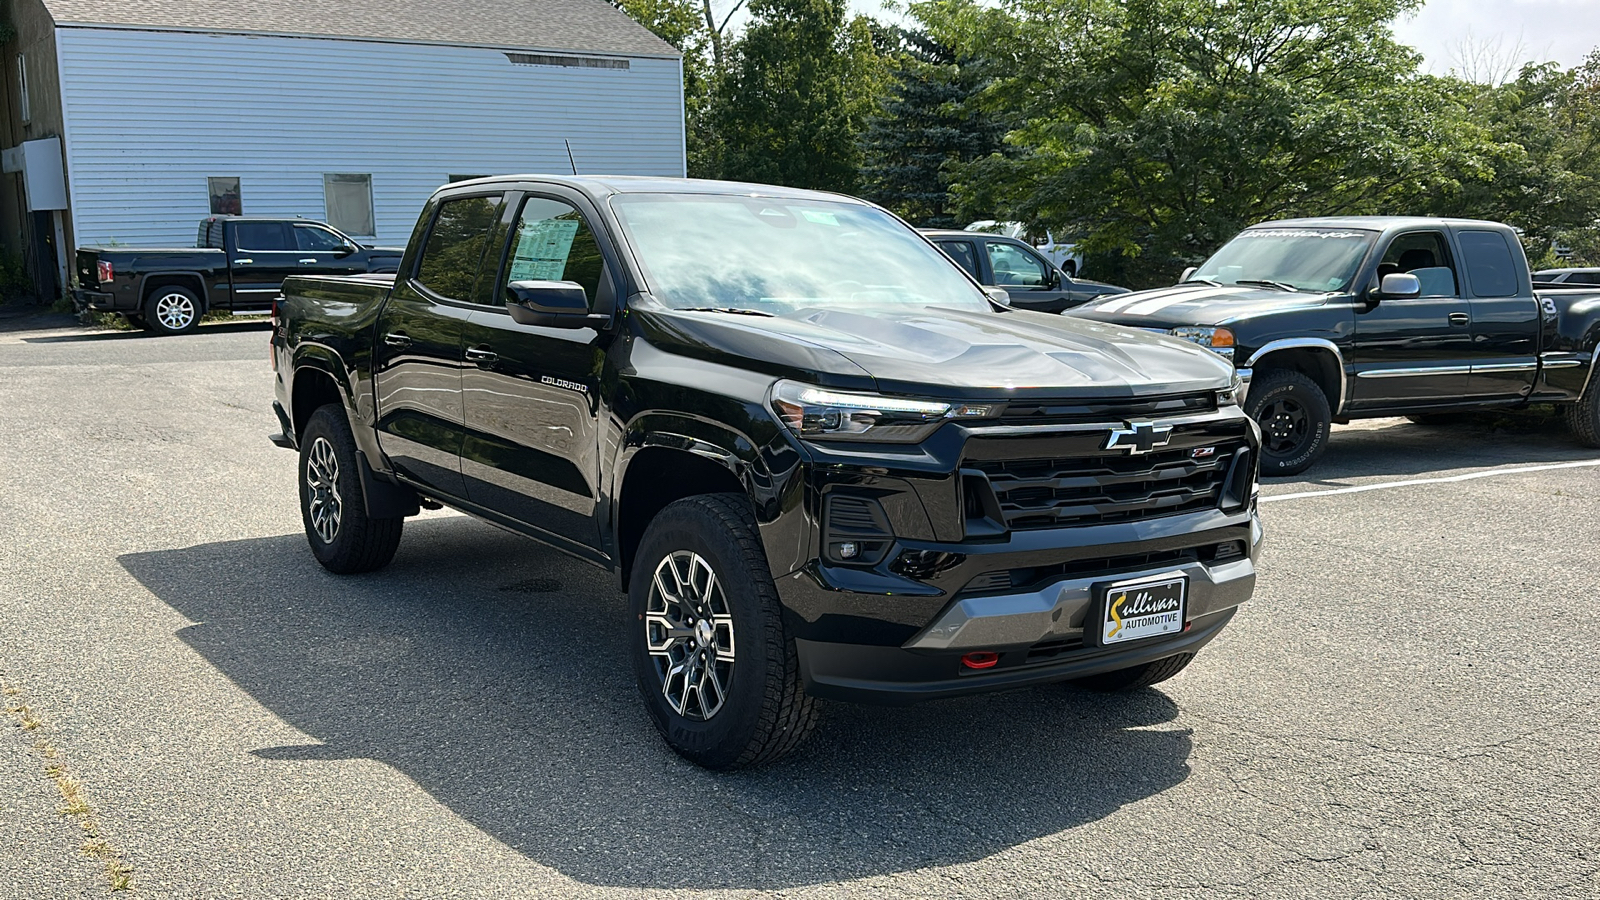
[237, 264]
[822, 460]
[1334, 319]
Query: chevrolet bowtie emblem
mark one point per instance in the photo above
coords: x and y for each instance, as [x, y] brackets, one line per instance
[1139, 437]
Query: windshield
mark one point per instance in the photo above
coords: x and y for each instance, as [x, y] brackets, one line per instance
[1304, 259]
[780, 255]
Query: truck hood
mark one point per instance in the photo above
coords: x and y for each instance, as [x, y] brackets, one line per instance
[1193, 304]
[945, 353]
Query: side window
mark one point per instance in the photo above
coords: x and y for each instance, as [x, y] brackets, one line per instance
[553, 243]
[455, 246]
[965, 255]
[1489, 264]
[262, 236]
[1583, 278]
[310, 237]
[1425, 255]
[1014, 266]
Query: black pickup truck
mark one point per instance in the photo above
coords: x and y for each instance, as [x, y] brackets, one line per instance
[822, 460]
[237, 264]
[1335, 319]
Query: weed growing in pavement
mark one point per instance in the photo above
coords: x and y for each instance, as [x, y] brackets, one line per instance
[75, 804]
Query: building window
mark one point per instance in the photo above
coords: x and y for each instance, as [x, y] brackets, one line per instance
[25, 106]
[349, 202]
[225, 199]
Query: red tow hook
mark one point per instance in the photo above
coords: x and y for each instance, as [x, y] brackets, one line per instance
[981, 659]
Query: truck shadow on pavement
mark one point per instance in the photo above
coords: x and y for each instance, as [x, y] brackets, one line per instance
[77, 337]
[1397, 447]
[493, 673]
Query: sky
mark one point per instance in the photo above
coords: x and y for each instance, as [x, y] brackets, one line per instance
[1560, 30]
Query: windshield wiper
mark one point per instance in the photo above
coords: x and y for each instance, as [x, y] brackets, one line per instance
[1202, 281]
[730, 310]
[1276, 284]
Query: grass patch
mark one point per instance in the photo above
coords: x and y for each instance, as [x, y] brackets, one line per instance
[74, 801]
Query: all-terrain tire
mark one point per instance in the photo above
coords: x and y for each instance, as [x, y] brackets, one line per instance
[1583, 417]
[764, 712]
[1295, 420]
[1136, 677]
[172, 309]
[343, 538]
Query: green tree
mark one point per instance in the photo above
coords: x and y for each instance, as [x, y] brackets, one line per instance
[1161, 127]
[928, 121]
[798, 87]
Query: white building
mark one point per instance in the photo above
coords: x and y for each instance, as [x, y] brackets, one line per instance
[347, 111]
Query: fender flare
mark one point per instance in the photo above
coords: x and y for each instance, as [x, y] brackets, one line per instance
[205, 292]
[1321, 344]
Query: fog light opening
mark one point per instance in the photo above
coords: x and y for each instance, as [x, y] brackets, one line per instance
[848, 550]
[981, 659]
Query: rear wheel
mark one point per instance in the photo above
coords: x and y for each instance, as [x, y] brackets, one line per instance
[1583, 417]
[1136, 677]
[1295, 421]
[172, 309]
[718, 673]
[332, 505]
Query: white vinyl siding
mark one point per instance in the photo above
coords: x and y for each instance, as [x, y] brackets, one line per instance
[151, 115]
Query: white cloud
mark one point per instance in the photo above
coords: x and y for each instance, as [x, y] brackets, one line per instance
[1560, 30]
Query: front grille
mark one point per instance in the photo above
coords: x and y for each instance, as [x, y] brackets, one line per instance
[1058, 493]
[1050, 412]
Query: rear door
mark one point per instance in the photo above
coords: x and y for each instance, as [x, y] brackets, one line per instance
[417, 356]
[1505, 316]
[1418, 351]
[263, 255]
[532, 394]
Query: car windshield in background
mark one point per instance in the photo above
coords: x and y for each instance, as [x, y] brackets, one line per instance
[1304, 259]
[776, 256]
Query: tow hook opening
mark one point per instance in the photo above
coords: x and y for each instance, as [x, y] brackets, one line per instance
[980, 659]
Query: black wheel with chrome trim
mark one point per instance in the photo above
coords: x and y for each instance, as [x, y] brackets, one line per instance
[1295, 420]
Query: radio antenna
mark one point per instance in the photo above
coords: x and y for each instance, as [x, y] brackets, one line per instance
[570, 161]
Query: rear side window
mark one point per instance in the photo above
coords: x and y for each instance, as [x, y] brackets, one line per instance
[1490, 268]
[964, 254]
[450, 259]
[262, 236]
[1583, 278]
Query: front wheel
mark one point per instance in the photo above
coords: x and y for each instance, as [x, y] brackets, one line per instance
[342, 536]
[1135, 677]
[718, 673]
[1295, 421]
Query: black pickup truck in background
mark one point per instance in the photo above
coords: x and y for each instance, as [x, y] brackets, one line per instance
[237, 264]
[1361, 317]
[823, 462]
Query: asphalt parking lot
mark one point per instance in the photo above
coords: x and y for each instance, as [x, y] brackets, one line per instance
[1408, 707]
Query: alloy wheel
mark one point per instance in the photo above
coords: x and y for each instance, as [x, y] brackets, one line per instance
[175, 311]
[322, 477]
[689, 633]
[1285, 425]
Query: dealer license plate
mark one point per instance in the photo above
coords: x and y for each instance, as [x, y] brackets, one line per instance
[1143, 608]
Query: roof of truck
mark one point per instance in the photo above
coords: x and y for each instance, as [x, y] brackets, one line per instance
[581, 25]
[603, 185]
[1378, 223]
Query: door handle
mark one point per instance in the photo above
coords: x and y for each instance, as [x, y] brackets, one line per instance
[397, 339]
[243, 262]
[481, 355]
[1460, 319]
[308, 262]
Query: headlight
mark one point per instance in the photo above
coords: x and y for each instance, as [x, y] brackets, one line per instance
[1217, 340]
[821, 414]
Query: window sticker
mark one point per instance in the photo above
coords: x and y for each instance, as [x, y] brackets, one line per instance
[543, 246]
[820, 217]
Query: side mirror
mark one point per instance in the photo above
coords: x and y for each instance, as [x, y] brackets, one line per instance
[998, 295]
[1187, 273]
[1399, 286]
[344, 251]
[549, 304]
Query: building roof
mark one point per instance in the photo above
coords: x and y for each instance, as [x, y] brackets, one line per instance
[592, 26]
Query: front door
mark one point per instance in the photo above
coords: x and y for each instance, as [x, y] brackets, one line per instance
[417, 359]
[1414, 352]
[324, 252]
[1030, 279]
[532, 394]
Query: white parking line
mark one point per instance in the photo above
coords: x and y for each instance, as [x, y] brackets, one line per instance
[1587, 463]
